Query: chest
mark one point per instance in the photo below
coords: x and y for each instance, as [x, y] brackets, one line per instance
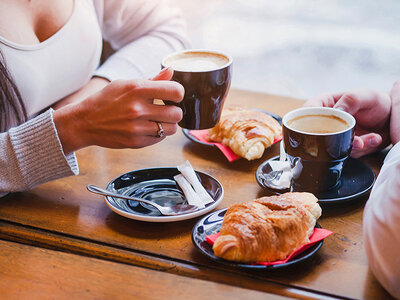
[49, 70]
[30, 22]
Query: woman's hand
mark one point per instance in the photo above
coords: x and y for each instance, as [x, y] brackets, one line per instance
[371, 110]
[121, 115]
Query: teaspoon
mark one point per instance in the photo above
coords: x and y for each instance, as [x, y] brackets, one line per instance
[174, 210]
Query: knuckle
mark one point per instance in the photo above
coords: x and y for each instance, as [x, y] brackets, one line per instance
[350, 98]
[135, 84]
[179, 90]
[133, 129]
[176, 114]
[135, 110]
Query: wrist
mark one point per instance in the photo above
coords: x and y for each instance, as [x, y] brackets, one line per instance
[70, 128]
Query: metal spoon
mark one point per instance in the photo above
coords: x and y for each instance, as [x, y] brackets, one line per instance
[174, 210]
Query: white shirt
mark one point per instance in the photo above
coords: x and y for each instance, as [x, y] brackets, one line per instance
[381, 224]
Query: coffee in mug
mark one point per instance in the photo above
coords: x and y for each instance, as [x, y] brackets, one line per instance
[206, 77]
[317, 141]
[318, 124]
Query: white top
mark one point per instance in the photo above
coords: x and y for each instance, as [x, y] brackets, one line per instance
[381, 224]
[142, 32]
[48, 71]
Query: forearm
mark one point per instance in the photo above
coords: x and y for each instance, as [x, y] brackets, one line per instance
[381, 223]
[93, 86]
[31, 154]
[139, 59]
[142, 32]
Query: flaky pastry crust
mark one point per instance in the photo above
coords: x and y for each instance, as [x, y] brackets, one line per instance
[268, 228]
[247, 132]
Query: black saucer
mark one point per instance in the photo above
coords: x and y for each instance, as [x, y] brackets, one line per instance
[211, 224]
[357, 179]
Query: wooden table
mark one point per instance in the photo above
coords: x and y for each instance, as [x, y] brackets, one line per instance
[63, 216]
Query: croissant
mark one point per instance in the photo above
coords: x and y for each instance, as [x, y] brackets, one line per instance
[247, 132]
[268, 228]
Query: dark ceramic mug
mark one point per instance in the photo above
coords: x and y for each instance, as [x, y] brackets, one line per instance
[206, 77]
[317, 158]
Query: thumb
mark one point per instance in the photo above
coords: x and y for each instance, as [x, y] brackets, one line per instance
[366, 144]
[165, 74]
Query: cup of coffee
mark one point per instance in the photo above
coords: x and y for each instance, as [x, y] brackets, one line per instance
[206, 77]
[317, 141]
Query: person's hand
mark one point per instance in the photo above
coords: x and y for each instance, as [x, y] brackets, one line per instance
[121, 115]
[395, 115]
[371, 110]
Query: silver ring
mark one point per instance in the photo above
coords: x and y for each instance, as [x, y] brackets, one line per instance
[160, 132]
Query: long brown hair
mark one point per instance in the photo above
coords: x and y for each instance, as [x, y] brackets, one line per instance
[11, 105]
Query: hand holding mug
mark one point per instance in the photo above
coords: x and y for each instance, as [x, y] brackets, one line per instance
[317, 141]
[121, 115]
[371, 110]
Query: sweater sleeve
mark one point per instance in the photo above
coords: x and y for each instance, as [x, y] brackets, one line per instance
[381, 224]
[142, 32]
[31, 154]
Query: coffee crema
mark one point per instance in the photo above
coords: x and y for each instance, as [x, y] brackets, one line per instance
[196, 61]
[318, 124]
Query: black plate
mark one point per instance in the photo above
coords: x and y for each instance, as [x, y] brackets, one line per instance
[157, 185]
[211, 224]
[357, 179]
[186, 132]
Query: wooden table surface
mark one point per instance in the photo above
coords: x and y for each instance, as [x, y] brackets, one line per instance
[38, 273]
[62, 215]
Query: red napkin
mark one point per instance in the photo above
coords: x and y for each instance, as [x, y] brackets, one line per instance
[202, 136]
[318, 235]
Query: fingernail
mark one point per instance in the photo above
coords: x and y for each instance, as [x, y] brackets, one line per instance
[164, 70]
[373, 142]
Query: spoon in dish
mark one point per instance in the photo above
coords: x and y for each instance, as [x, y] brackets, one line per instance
[178, 209]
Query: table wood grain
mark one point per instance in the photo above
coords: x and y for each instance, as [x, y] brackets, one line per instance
[29, 272]
[63, 209]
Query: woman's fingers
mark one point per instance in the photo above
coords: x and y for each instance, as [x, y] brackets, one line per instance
[325, 100]
[165, 74]
[349, 102]
[366, 144]
[161, 89]
[144, 89]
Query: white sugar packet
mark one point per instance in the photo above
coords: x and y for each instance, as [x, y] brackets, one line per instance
[190, 194]
[187, 170]
[280, 176]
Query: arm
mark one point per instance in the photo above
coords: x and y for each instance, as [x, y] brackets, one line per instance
[382, 213]
[381, 223]
[122, 115]
[142, 32]
[31, 154]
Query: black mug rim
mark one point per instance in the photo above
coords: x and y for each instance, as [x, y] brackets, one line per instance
[317, 110]
[229, 57]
